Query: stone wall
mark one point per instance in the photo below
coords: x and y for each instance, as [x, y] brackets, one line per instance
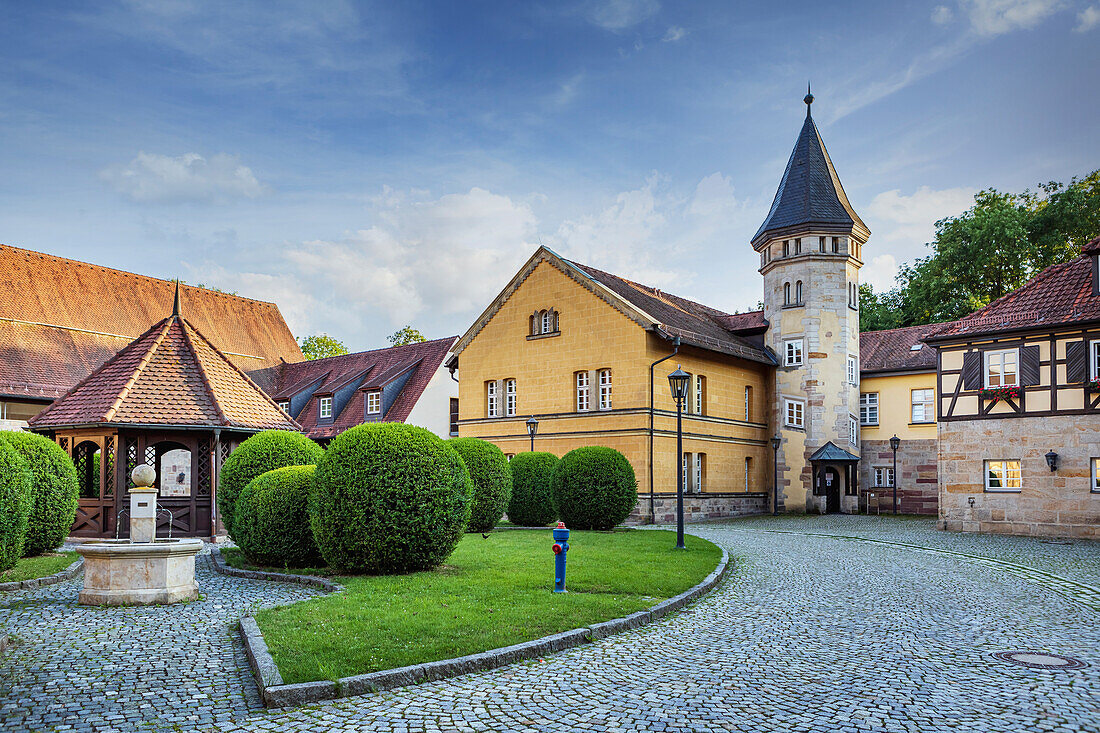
[1058, 503]
[918, 484]
[700, 506]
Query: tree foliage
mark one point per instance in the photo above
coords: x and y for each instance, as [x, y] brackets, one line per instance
[407, 335]
[995, 247]
[320, 346]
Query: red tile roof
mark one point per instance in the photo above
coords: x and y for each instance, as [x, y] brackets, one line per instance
[60, 319]
[751, 321]
[1059, 295]
[169, 376]
[375, 368]
[892, 350]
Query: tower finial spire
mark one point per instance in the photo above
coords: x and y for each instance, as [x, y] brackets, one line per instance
[808, 99]
[176, 301]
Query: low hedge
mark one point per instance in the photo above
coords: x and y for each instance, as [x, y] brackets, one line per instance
[492, 481]
[15, 504]
[54, 490]
[272, 519]
[389, 498]
[259, 454]
[532, 502]
[594, 488]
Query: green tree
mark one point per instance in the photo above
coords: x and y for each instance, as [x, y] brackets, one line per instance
[321, 345]
[407, 335]
[878, 311]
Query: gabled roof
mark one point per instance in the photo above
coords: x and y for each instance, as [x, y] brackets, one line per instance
[60, 319]
[830, 453]
[378, 368]
[170, 376]
[810, 193]
[669, 315]
[1059, 295]
[898, 349]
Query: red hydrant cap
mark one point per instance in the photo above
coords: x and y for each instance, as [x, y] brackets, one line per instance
[561, 525]
[556, 548]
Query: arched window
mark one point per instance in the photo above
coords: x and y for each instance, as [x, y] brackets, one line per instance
[548, 321]
[798, 292]
[786, 293]
[173, 469]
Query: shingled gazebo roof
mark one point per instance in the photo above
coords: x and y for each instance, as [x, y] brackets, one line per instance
[170, 376]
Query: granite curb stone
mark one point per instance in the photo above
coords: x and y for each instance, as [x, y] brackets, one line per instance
[59, 577]
[314, 580]
[276, 694]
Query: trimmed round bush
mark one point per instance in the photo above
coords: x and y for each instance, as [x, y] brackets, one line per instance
[594, 488]
[259, 454]
[272, 519]
[54, 491]
[532, 502]
[492, 481]
[389, 498]
[15, 504]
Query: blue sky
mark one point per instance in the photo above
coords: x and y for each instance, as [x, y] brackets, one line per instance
[371, 165]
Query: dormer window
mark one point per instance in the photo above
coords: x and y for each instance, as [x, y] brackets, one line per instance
[324, 408]
[374, 403]
[285, 407]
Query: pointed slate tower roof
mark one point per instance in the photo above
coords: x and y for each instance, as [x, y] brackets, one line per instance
[810, 194]
[170, 376]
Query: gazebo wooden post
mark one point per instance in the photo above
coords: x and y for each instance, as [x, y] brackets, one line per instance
[215, 475]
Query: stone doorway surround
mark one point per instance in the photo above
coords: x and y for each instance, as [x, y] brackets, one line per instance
[835, 476]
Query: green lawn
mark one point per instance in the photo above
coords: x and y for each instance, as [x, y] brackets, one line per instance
[39, 567]
[491, 593]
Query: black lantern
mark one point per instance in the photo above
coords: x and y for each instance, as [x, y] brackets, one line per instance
[894, 443]
[1052, 460]
[678, 383]
[776, 441]
[532, 428]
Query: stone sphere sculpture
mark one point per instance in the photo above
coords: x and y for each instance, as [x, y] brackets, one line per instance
[143, 475]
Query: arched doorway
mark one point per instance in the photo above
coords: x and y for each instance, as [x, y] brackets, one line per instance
[94, 458]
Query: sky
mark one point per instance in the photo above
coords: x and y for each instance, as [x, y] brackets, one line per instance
[371, 165]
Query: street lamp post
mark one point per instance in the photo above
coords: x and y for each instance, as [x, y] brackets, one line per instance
[894, 443]
[678, 383]
[532, 428]
[775, 475]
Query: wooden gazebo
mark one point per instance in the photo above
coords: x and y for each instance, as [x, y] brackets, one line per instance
[169, 399]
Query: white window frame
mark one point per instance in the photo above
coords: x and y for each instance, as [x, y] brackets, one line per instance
[698, 459]
[748, 403]
[928, 406]
[794, 413]
[699, 382]
[324, 408]
[1007, 470]
[285, 407]
[1094, 357]
[685, 459]
[853, 370]
[509, 398]
[605, 389]
[868, 407]
[547, 321]
[1000, 357]
[884, 477]
[492, 400]
[583, 401]
[374, 402]
[796, 355]
[1094, 484]
[853, 430]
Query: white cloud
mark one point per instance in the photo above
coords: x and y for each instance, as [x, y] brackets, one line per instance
[879, 273]
[996, 17]
[1088, 19]
[619, 15]
[674, 33]
[188, 177]
[942, 15]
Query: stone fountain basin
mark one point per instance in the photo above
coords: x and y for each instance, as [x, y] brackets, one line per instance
[122, 572]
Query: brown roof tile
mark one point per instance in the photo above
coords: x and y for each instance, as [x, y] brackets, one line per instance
[892, 350]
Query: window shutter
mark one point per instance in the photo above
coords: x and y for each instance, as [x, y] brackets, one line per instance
[1077, 368]
[1029, 366]
[972, 370]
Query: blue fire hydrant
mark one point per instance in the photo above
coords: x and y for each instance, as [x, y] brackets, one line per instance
[561, 547]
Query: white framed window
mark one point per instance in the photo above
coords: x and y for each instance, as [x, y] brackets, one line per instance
[853, 370]
[582, 391]
[374, 403]
[748, 403]
[1003, 475]
[794, 413]
[700, 386]
[700, 470]
[685, 461]
[605, 389]
[1000, 368]
[1094, 485]
[868, 408]
[324, 407]
[793, 353]
[285, 407]
[884, 477]
[853, 430]
[510, 397]
[492, 400]
[1095, 354]
[548, 321]
[924, 405]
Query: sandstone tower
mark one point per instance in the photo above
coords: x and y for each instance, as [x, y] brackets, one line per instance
[810, 248]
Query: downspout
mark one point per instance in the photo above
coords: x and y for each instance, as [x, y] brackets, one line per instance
[675, 351]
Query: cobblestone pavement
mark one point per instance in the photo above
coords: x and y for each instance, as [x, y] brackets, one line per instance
[813, 632]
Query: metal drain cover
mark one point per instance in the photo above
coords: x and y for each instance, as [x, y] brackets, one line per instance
[1040, 660]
